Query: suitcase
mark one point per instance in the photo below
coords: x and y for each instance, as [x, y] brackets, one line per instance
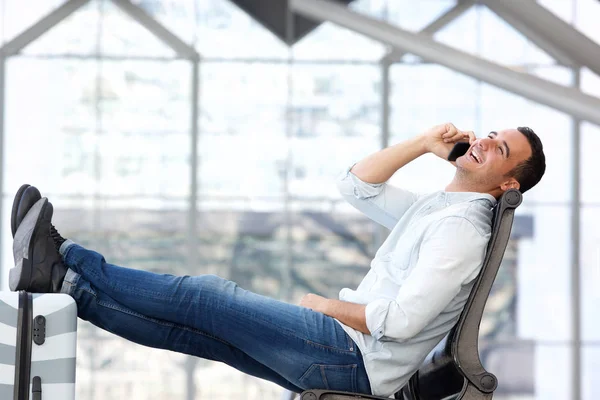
[38, 343]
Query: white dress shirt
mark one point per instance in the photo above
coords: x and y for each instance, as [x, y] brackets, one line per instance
[421, 276]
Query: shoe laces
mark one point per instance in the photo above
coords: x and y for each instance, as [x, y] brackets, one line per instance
[54, 233]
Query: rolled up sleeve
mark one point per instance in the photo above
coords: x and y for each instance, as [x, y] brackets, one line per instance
[381, 202]
[450, 256]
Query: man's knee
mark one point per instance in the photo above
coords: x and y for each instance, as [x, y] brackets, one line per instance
[211, 283]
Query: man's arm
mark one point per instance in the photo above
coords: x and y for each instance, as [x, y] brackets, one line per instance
[350, 314]
[365, 186]
[380, 166]
[445, 264]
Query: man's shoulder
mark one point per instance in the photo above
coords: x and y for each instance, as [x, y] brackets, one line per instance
[477, 212]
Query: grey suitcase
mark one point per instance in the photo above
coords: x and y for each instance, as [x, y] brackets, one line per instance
[38, 343]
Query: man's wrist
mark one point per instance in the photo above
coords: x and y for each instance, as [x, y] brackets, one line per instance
[423, 143]
[327, 307]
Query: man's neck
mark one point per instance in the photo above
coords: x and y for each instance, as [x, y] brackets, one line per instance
[456, 186]
[460, 186]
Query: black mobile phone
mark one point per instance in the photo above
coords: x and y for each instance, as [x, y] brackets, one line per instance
[459, 150]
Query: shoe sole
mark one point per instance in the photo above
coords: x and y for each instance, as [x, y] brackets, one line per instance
[15, 208]
[19, 277]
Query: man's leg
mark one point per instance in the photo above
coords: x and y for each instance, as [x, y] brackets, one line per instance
[104, 312]
[306, 348]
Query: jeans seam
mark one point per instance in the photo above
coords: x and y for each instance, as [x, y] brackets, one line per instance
[278, 327]
[323, 376]
[158, 321]
[91, 271]
[324, 346]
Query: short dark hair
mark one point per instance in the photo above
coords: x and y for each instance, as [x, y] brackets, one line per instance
[529, 172]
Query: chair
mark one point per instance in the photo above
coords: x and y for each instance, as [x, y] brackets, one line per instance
[453, 370]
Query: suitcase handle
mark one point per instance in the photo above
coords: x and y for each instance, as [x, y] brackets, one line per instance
[37, 388]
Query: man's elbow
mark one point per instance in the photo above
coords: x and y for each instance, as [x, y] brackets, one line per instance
[396, 335]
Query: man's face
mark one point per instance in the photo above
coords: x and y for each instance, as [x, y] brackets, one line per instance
[490, 159]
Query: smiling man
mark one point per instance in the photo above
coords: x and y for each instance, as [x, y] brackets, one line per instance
[372, 339]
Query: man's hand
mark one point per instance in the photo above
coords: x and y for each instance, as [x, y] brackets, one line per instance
[440, 139]
[350, 314]
[315, 302]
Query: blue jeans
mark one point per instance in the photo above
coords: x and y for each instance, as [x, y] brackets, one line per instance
[210, 317]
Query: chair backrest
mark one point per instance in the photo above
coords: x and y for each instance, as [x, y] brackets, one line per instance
[453, 369]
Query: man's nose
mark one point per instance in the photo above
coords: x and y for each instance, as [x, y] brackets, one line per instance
[484, 142]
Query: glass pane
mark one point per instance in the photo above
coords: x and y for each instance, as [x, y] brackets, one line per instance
[501, 110]
[330, 42]
[330, 251]
[587, 18]
[121, 35]
[77, 34]
[590, 82]
[589, 164]
[561, 75]
[501, 43]
[464, 32]
[491, 38]
[335, 122]
[21, 14]
[55, 133]
[505, 354]
[243, 145]
[178, 16]
[144, 146]
[590, 271]
[423, 96]
[543, 304]
[2, 21]
[552, 371]
[246, 246]
[591, 366]
[226, 31]
[561, 8]
[415, 15]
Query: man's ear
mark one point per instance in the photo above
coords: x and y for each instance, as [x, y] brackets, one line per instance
[511, 183]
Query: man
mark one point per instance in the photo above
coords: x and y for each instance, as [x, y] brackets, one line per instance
[369, 341]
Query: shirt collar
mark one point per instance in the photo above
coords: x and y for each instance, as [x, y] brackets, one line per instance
[459, 197]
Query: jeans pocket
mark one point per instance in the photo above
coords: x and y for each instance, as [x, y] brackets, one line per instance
[331, 377]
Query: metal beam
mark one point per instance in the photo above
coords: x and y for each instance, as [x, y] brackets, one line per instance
[530, 32]
[438, 24]
[180, 47]
[2, 158]
[575, 263]
[565, 99]
[32, 33]
[381, 232]
[553, 31]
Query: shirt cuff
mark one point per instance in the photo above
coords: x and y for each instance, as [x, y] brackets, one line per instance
[375, 314]
[360, 190]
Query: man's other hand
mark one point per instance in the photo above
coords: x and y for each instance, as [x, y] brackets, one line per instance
[314, 302]
[440, 139]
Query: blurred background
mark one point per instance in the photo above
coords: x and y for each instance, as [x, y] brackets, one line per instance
[204, 136]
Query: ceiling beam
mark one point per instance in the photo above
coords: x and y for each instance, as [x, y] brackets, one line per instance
[563, 98]
[34, 32]
[550, 32]
[437, 25]
[180, 47]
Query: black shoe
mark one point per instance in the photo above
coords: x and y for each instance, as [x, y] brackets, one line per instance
[38, 265]
[25, 198]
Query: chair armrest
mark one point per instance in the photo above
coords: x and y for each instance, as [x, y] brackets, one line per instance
[336, 395]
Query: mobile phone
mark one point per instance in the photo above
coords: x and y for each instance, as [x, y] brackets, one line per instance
[459, 149]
